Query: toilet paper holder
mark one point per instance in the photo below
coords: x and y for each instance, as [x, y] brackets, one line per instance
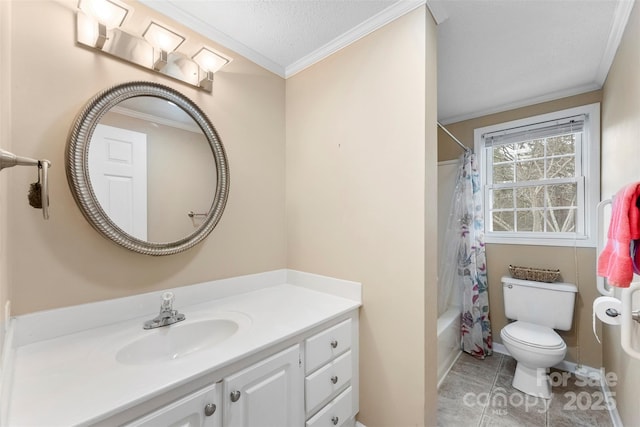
[612, 312]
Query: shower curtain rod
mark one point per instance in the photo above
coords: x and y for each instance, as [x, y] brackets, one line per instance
[456, 140]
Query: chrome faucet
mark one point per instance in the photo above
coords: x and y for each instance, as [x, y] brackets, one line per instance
[167, 316]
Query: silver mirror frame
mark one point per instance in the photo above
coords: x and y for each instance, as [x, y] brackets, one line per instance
[77, 166]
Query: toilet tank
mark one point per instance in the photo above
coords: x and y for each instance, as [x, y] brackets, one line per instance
[545, 304]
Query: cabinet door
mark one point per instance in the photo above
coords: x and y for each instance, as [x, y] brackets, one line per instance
[200, 409]
[267, 394]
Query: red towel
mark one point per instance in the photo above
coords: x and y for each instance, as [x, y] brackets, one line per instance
[615, 261]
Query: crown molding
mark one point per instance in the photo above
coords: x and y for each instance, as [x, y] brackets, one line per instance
[168, 8]
[391, 13]
[620, 18]
[522, 103]
[377, 21]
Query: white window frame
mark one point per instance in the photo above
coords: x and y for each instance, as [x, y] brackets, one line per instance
[587, 154]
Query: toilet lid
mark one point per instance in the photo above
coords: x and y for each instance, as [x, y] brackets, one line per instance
[533, 335]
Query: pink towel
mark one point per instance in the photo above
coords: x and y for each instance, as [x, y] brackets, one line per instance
[615, 261]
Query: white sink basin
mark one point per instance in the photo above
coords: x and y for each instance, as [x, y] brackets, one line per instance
[178, 340]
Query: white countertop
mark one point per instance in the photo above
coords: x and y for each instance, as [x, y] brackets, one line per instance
[75, 378]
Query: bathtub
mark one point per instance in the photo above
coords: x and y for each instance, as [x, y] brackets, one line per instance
[448, 341]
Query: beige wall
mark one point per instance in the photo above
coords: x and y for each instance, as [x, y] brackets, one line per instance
[576, 264]
[5, 143]
[356, 171]
[620, 160]
[64, 261]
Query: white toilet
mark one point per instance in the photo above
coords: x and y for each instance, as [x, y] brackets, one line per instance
[537, 308]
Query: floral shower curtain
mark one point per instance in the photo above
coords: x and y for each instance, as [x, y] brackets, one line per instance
[467, 221]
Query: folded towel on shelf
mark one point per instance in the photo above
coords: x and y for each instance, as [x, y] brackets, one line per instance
[615, 262]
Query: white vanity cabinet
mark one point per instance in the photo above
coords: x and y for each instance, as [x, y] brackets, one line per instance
[313, 382]
[268, 393]
[292, 360]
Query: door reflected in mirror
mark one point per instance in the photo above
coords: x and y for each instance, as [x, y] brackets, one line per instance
[149, 165]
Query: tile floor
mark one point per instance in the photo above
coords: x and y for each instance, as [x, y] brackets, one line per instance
[479, 393]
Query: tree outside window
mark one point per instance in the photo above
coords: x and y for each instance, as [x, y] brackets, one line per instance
[530, 194]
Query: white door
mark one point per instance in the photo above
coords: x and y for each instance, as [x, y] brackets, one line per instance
[267, 394]
[118, 173]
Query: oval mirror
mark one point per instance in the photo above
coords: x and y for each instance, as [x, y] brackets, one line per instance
[147, 168]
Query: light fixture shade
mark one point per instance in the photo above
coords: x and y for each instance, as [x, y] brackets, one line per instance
[162, 38]
[209, 60]
[107, 12]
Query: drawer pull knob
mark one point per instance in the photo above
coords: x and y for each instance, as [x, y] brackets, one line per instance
[334, 379]
[235, 395]
[334, 343]
[335, 420]
[209, 409]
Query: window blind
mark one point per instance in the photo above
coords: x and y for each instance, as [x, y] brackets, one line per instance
[537, 131]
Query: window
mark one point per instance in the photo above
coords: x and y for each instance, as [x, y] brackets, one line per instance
[540, 178]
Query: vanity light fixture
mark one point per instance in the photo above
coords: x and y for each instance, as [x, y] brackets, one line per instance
[164, 41]
[98, 27]
[209, 62]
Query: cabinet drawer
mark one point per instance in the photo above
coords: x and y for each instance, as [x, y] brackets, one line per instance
[335, 413]
[321, 348]
[326, 381]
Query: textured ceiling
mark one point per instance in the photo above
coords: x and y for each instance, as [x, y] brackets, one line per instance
[497, 55]
[493, 55]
